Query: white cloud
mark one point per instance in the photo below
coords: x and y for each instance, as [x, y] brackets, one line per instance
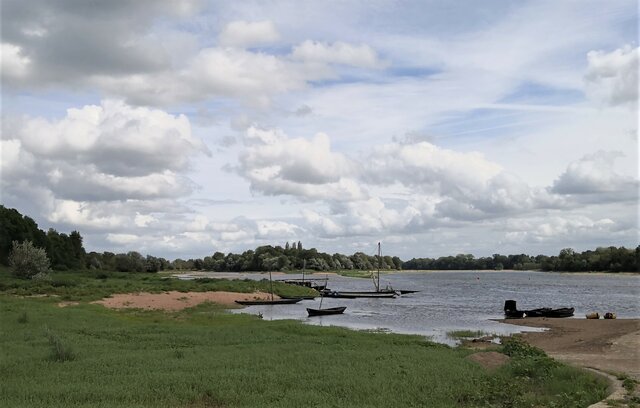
[245, 34]
[123, 239]
[276, 164]
[106, 152]
[276, 229]
[142, 220]
[612, 77]
[558, 228]
[15, 64]
[84, 215]
[427, 167]
[337, 53]
[595, 174]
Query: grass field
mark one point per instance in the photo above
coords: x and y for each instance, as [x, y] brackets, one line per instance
[90, 356]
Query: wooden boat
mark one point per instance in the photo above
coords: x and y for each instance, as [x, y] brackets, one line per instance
[271, 301]
[329, 311]
[320, 311]
[309, 283]
[268, 302]
[354, 295]
[512, 312]
[406, 292]
[549, 312]
[299, 297]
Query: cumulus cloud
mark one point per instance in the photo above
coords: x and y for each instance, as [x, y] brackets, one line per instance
[66, 44]
[595, 175]
[276, 164]
[15, 64]
[613, 77]
[427, 167]
[119, 50]
[99, 154]
[556, 228]
[245, 34]
[116, 138]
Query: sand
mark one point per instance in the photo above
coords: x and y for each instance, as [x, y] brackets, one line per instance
[173, 300]
[607, 345]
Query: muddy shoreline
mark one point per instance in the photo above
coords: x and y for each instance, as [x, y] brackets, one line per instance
[608, 345]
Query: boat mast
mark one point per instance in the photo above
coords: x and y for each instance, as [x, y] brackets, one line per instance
[378, 284]
[271, 285]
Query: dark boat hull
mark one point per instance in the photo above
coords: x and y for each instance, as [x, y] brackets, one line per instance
[406, 292]
[353, 295]
[268, 302]
[298, 297]
[324, 312]
[548, 312]
[512, 312]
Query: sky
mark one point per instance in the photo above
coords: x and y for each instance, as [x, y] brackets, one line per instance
[179, 129]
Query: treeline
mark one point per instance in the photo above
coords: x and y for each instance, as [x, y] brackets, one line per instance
[67, 252]
[64, 251]
[609, 259]
[288, 258]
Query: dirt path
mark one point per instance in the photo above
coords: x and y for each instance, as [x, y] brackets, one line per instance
[606, 345]
[176, 300]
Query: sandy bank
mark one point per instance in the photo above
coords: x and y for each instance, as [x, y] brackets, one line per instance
[607, 345]
[176, 300]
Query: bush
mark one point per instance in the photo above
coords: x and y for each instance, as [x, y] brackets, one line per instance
[28, 261]
[60, 351]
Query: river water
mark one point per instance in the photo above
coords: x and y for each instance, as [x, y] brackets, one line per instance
[456, 300]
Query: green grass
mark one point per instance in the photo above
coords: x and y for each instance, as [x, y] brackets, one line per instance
[89, 356]
[93, 285]
[465, 334]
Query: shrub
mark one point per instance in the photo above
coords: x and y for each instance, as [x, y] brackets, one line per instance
[59, 350]
[28, 261]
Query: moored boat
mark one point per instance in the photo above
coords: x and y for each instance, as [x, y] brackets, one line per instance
[512, 312]
[354, 295]
[329, 311]
[268, 302]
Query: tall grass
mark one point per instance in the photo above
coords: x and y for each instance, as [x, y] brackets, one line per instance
[60, 351]
[204, 357]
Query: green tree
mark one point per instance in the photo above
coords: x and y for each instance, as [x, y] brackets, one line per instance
[28, 261]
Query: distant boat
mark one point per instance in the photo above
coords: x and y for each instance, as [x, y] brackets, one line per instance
[309, 283]
[353, 295]
[268, 302]
[406, 292]
[329, 311]
[512, 312]
[311, 297]
[271, 301]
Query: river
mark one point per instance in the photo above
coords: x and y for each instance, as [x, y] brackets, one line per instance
[459, 300]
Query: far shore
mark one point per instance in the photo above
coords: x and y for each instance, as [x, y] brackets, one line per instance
[395, 271]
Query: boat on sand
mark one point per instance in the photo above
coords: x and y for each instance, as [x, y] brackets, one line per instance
[512, 312]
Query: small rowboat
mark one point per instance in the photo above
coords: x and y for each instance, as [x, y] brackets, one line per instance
[323, 312]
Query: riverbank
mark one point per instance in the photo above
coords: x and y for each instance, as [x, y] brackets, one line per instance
[607, 345]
